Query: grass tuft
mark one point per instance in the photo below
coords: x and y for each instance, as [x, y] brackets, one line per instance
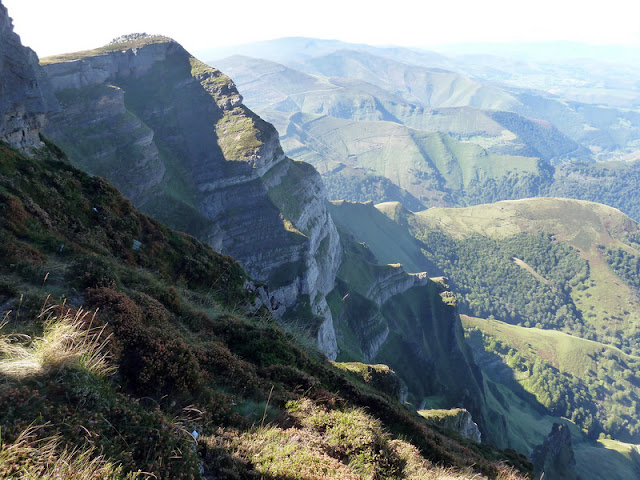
[30, 458]
[68, 342]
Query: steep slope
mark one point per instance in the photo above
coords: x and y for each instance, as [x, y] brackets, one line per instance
[552, 264]
[434, 168]
[175, 326]
[173, 135]
[591, 383]
[181, 327]
[406, 321]
[562, 266]
[525, 224]
[23, 102]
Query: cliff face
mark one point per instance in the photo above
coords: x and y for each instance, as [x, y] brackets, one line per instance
[459, 420]
[384, 315]
[555, 459]
[23, 100]
[173, 135]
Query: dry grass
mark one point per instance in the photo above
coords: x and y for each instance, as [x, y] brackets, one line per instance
[68, 341]
[29, 458]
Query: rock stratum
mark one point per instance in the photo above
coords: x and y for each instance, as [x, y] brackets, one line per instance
[173, 135]
[459, 420]
[23, 101]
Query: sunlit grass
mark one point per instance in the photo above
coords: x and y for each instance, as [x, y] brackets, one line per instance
[68, 341]
[334, 444]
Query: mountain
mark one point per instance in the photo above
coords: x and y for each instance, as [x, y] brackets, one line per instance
[533, 90]
[294, 50]
[172, 344]
[200, 158]
[356, 133]
[179, 357]
[173, 135]
[310, 87]
[184, 339]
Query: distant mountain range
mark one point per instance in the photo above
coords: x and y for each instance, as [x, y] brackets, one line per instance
[406, 125]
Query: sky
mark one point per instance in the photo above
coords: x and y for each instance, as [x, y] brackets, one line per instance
[60, 26]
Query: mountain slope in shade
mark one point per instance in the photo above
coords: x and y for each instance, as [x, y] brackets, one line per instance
[175, 136]
[177, 323]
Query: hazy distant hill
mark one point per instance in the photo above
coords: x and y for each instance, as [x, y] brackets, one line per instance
[533, 88]
[371, 143]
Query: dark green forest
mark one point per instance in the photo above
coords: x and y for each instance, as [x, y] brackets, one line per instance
[489, 283]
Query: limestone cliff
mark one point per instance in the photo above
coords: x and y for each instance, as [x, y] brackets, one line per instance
[458, 419]
[384, 315]
[407, 321]
[23, 100]
[174, 136]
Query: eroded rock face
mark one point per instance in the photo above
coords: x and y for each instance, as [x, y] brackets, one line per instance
[24, 98]
[174, 136]
[459, 420]
[555, 459]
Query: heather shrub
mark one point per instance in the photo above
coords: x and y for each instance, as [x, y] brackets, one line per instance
[92, 271]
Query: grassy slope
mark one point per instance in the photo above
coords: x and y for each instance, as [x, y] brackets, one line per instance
[389, 242]
[584, 225]
[111, 47]
[608, 459]
[180, 338]
[565, 352]
[579, 357]
[425, 164]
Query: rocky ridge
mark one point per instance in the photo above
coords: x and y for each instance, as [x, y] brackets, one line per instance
[174, 136]
[23, 101]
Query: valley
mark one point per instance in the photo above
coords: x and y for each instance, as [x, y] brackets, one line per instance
[311, 259]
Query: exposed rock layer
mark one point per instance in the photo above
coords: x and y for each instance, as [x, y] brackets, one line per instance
[173, 135]
[459, 420]
[555, 459]
[23, 101]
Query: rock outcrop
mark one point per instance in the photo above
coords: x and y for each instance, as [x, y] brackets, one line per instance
[24, 98]
[174, 136]
[407, 321]
[458, 419]
[555, 459]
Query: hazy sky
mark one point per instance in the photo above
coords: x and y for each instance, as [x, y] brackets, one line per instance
[57, 26]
